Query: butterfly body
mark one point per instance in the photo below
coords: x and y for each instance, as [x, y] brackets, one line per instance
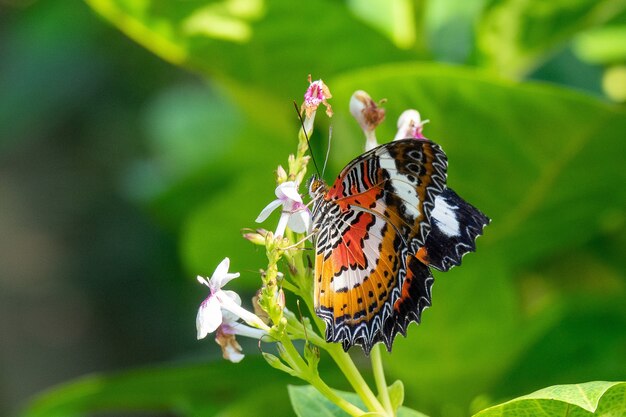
[372, 229]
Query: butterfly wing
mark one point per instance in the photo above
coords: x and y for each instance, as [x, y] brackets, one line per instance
[455, 225]
[369, 286]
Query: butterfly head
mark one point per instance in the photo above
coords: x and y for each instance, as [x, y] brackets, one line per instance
[317, 187]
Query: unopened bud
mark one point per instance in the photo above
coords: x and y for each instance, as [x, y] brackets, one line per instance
[257, 237]
[410, 125]
[280, 298]
[275, 362]
[281, 174]
[368, 114]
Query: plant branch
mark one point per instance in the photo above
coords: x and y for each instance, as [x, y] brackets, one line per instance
[379, 377]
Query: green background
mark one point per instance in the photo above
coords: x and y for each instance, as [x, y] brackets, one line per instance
[137, 138]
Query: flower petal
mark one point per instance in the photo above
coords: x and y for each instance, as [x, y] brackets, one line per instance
[209, 317]
[227, 303]
[299, 221]
[282, 223]
[229, 277]
[231, 350]
[233, 296]
[219, 275]
[203, 281]
[241, 329]
[288, 190]
[268, 210]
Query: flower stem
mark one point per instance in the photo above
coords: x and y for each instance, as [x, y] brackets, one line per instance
[379, 377]
[354, 377]
[325, 390]
[294, 359]
[347, 366]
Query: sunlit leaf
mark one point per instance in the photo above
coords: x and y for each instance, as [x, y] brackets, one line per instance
[513, 37]
[266, 43]
[605, 45]
[589, 399]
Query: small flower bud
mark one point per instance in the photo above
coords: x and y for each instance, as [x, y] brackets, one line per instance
[368, 115]
[257, 237]
[275, 362]
[410, 125]
[258, 310]
[312, 355]
[281, 174]
[280, 299]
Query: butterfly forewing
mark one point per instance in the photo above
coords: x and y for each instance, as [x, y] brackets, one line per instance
[369, 224]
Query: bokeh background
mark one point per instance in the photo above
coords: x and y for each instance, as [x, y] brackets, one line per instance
[137, 138]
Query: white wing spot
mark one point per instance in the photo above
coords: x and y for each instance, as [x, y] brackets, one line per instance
[402, 186]
[445, 217]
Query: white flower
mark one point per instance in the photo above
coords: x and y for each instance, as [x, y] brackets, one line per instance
[295, 214]
[210, 314]
[225, 336]
[410, 125]
[368, 115]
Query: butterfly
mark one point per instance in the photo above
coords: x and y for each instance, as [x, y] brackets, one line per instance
[386, 220]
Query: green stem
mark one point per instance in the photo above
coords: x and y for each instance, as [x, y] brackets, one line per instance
[347, 406]
[379, 377]
[347, 366]
[354, 377]
[296, 362]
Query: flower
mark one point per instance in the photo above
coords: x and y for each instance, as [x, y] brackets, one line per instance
[295, 214]
[410, 125]
[210, 314]
[316, 94]
[368, 115]
[225, 336]
[220, 312]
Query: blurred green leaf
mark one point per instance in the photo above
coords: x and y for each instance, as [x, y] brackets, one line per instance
[191, 390]
[592, 398]
[449, 26]
[614, 83]
[605, 45]
[513, 37]
[308, 402]
[395, 19]
[249, 40]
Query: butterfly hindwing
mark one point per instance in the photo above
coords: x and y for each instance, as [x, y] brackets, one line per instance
[455, 224]
[369, 223]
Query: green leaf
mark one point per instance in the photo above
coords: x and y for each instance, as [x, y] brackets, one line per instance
[184, 390]
[513, 37]
[308, 402]
[249, 40]
[396, 394]
[605, 45]
[544, 163]
[592, 398]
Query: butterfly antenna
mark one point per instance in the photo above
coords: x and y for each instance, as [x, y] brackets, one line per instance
[307, 137]
[330, 135]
